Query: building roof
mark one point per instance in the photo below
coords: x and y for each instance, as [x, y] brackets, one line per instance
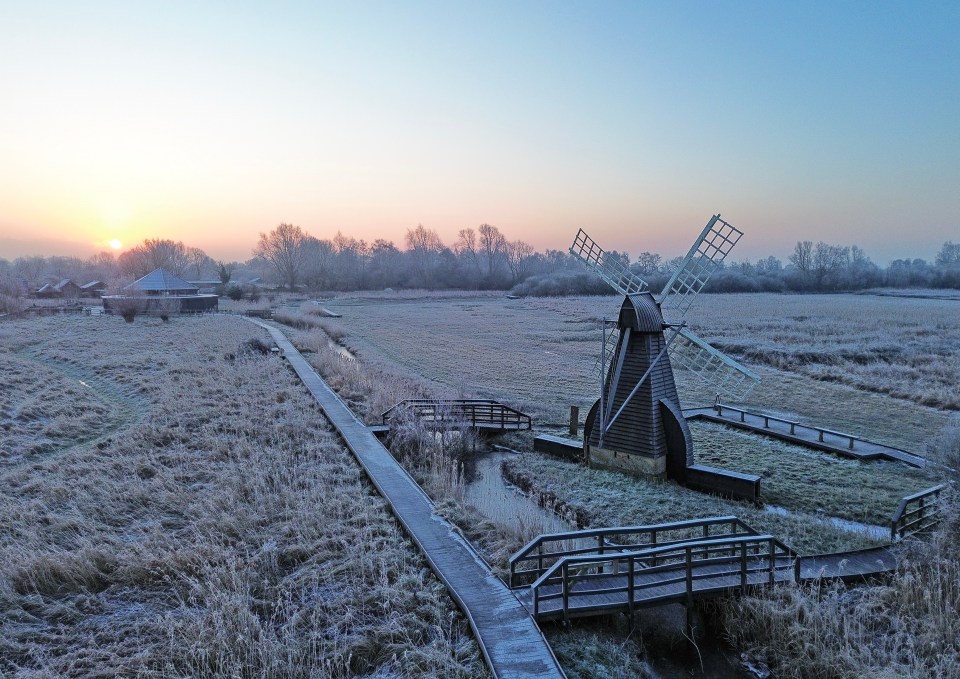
[45, 288]
[93, 285]
[161, 280]
[63, 283]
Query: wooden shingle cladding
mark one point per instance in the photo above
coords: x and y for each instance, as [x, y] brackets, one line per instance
[639, 429]
[651, 424]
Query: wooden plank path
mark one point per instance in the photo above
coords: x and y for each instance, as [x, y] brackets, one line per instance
[594, 596]
[511, 642]
[847, 445]
[601, 595]
[601, 571]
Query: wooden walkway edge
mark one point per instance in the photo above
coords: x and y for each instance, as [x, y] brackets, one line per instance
[511, 642]
[838, 443]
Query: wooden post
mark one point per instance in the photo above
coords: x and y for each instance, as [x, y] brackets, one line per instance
[574, 420]
[689, 598]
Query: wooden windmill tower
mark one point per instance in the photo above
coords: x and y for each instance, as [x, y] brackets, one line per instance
[637, 425]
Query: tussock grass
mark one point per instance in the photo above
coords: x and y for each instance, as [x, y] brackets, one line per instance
[905, 627]
[527, 353]
[223, 532]
[603, 498]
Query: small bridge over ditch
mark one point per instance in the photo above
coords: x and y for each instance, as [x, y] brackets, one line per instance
[840, 443]
[607, 570]
[478, 414]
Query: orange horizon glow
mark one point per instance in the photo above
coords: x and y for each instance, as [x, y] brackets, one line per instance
[125, 121]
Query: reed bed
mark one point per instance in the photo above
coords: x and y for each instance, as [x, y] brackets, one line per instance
[881, 368]
[223, 531]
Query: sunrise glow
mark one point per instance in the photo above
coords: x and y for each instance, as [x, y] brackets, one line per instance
[212, 123]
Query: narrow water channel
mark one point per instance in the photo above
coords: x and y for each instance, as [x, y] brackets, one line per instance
[875, 532]
[669, 656]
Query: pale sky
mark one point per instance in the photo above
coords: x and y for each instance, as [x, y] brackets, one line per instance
[212, 122]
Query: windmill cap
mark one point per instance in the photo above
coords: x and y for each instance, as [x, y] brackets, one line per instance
[641, 313]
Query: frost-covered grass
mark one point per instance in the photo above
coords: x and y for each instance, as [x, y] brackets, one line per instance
[221, 531]
[538, 354]
[883, 368]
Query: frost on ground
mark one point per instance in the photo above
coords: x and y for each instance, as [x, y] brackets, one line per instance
[171, 505]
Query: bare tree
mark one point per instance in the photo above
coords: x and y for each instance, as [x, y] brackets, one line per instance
[802, 257]
[317, 262]
[29, 269]
[492, 246]
[648, 264]
[199, 261]
[519, 256]
[828, 261]
[466, 249]
[949, 255]
[424, 247]
[155, 253]
[283, 248]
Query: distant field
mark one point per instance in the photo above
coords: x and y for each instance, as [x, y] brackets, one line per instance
[172, 503]
[834, 361]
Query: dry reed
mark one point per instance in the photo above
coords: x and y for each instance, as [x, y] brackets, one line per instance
[219, 529]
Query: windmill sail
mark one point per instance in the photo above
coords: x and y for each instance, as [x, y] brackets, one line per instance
[705, 256]
[712, 366]
[609, 268]
[610, 346]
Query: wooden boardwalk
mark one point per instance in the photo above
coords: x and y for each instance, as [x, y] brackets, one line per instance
[606, 570]
[482, 415]
[600, 595]
[847, 445]
[511, 642]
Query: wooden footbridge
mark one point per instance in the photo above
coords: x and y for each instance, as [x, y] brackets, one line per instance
[602, 571]
[511, 642]
[596, 571]
[478, 414]
[840, 443]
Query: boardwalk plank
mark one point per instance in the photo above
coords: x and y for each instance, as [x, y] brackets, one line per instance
[512, 644]
[806, 436]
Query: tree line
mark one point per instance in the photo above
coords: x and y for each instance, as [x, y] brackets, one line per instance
[481, 259]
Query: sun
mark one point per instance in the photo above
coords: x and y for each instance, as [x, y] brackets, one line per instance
[115, 244]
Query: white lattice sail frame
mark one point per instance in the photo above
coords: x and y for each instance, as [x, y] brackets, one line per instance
[608, 268]
[712, 366]
[704, 258]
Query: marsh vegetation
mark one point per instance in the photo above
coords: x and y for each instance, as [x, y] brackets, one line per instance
[174, 505]
[830, 369]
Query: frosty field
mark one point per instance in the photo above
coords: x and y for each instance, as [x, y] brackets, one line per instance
[538, 354]
[172, 504]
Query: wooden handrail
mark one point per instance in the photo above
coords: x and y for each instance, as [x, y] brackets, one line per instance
[473, 411]
[851, 438]
[686, 556]
[906, 521]
[534, 550]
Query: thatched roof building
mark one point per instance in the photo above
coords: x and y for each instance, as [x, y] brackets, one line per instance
[162, 282]
[159, 291]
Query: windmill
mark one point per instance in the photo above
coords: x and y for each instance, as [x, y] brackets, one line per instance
[637, 424]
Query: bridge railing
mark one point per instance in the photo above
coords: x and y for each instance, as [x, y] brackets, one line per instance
[821, 432]
[461, 412]
[541, 553]
[917, 513]
[732, 563]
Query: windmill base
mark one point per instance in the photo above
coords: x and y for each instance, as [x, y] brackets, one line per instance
[635, 465]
